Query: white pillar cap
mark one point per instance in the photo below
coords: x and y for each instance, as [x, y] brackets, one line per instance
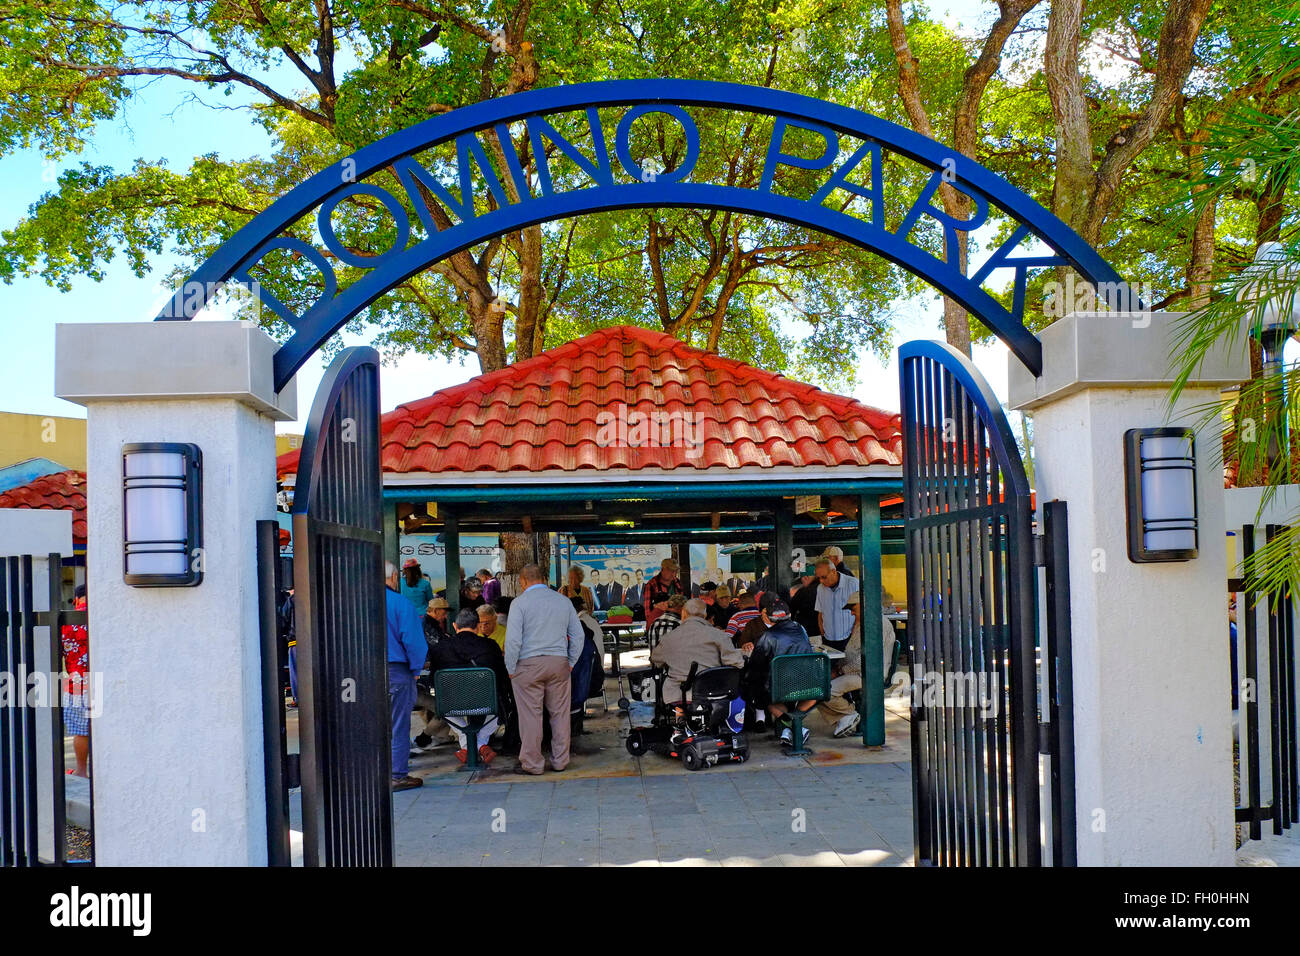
[151, 361]
[1117, 350]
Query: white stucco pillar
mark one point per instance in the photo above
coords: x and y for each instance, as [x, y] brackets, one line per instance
[178, 768]
[1152, 708]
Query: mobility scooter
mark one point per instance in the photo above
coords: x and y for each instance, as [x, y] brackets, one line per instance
[703, 732]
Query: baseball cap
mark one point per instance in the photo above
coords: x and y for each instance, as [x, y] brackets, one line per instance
[774, 607]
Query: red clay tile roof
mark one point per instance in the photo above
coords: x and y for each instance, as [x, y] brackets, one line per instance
[61, 491]
[541, 415]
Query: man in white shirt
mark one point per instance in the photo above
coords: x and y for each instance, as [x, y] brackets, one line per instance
[833, 590]
[847, 673]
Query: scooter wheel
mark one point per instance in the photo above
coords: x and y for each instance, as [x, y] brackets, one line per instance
[635, 743]
[623, 703]
[692, 758]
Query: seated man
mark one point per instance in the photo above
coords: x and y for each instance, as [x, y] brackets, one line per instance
[435, 620]
[466, 647]
[744, 610]
[720, 610]
[490, 626]
[784, 635]
[846, 674]
[693, 641]
[667, 620]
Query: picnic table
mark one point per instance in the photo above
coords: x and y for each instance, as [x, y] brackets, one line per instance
[632, 629]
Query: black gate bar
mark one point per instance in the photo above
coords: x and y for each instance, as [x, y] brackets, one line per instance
[274, 659]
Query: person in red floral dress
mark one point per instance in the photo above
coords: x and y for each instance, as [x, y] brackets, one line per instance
[76, 664]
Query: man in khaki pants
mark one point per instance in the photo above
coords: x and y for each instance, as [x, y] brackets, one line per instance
[543, 641]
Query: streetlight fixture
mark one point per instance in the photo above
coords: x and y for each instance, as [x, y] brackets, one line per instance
[1275, 291]
[162, 514]
[1160, 494]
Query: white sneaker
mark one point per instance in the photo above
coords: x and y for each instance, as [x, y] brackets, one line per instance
[788, 738]
[847, 724]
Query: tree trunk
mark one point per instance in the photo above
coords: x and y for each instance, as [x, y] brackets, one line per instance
[1200, 264]
[518, 549]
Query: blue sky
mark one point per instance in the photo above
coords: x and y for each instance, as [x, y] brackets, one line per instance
[160, 123]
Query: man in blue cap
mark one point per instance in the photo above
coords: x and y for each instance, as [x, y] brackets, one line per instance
[407, 650]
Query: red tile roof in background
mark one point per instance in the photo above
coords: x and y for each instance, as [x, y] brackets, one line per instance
[541, 415]
[61, 491]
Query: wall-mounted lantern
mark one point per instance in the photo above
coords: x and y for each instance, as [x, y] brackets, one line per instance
[1160, 492]
[162, 512]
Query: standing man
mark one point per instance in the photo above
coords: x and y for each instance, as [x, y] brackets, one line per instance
[835, 555]
[407, 650]
[833, 590]
[544, 640]
[803, 602]
[660, 588]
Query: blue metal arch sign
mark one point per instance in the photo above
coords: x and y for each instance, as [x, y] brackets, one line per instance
[613, 179]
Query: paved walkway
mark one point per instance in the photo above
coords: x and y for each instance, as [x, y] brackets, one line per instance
[1272, 850]
[800, 814]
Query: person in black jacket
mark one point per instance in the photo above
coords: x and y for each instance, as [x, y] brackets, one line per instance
[435, 621]
[803, 602]
[466, 647]
[784, 635]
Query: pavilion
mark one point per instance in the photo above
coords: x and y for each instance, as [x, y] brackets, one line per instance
[630, 436]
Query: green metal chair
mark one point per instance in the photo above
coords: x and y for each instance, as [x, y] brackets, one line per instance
[796, 678]
[893, 662]
[471, 693]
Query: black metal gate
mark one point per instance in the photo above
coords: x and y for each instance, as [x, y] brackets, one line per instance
[977, 732]
[27, 818]
[338, 540]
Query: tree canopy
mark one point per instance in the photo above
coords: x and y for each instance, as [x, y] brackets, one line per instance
[1099, 110]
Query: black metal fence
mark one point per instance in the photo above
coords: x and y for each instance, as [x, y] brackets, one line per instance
[33, 824]
[1267, 744]
[977, 730]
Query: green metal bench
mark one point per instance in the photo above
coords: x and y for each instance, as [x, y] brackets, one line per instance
[471, 693]
[796, 678]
